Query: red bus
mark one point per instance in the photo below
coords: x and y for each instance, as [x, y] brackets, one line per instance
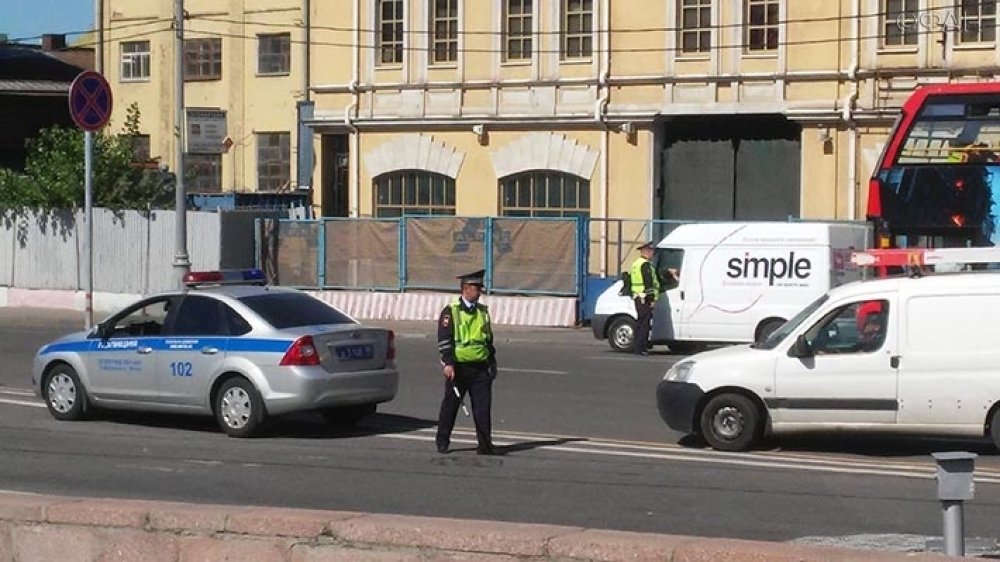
[937, 182]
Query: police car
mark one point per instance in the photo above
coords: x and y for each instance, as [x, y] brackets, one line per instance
[227, 346]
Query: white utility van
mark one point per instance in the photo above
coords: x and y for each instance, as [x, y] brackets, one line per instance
[738, 281]
[907, 354]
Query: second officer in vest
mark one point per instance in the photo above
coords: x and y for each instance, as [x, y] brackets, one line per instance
[465, 341]
[645, 290]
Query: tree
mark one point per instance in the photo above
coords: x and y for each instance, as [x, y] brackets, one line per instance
[53, 175]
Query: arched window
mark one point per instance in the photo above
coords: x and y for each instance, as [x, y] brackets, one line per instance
[414, 192]
[544, 193]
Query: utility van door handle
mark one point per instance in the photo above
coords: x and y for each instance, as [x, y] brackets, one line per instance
[682, 295]
[894, 361]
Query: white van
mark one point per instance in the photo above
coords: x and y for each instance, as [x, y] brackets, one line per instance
[909, 354]
[738, 281]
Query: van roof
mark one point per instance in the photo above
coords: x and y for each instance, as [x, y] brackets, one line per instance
[753, 233]
[932, 283]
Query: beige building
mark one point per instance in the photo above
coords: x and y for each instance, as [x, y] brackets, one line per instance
[629, 109]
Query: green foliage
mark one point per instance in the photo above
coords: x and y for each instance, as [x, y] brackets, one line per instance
[54, 175]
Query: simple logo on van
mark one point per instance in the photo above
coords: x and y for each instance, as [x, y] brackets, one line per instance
[772, 269]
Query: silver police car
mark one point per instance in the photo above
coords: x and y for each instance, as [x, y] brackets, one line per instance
[240, 352]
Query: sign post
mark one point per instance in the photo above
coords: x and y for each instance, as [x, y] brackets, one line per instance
[90, 108]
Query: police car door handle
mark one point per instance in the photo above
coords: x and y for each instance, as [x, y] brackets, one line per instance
[144, 350]
[209, 350]
[894, 361]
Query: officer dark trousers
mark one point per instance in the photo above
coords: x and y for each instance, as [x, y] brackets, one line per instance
[475, 379]
[644, 311]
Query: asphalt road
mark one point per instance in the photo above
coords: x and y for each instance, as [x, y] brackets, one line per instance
[584, 443]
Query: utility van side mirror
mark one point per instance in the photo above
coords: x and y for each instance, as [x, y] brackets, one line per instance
[801, 348]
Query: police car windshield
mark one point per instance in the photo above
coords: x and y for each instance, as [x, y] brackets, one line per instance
[291, 310]
[781, 333]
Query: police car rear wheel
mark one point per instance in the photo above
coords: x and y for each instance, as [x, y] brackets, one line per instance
[621, 332]
[995, 428]
[730, 422]
[65, 397]
[348, 416]
[239, 408]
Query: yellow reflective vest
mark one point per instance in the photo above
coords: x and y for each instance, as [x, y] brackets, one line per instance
[638, 286]
[472, 333]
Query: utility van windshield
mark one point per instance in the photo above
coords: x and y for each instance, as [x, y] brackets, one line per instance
[781, 333]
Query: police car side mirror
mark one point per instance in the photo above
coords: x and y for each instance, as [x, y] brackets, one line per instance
[801, 348]
[103, 330]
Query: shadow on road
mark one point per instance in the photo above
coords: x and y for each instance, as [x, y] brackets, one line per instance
[883, 445]
[528, 445]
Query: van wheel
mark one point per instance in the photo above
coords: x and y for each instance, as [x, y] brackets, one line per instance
[767, 328]
[621, 332]
[731, 422]
[995, 428]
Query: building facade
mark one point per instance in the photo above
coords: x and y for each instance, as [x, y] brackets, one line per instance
[680, 109]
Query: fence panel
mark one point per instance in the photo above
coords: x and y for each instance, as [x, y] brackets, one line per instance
[296, 254]
[121, 251]
[439, 248]
[49, 255]
[361, 253]
[535, 256]
[8, 247]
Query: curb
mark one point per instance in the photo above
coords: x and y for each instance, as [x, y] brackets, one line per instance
[40, 527]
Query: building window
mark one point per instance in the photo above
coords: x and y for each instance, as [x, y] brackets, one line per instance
[544, 193]
[899, 28]
[135, 60]
[695, 23]
[274, 151]
[203, 173]
[762, 25]
[578, 27]
[140, 148]
[389, 32]
[977, 20]
[414, 192]
[274, 53]
[517, 29]
[444, 31]
[203, 59]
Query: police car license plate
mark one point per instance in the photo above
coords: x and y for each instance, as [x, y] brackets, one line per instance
[355, 352]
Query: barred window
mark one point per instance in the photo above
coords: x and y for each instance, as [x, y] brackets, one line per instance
[203, 173]
[444, 31]
[135, 60]
[578, 27]
[977, 20]
[273, 161]
[274, 53]
[203, 59]
[414, 192]
[695, 26]
[544, 193]
[389, 32]
[899, 26]
[517, 29]
[762, 18]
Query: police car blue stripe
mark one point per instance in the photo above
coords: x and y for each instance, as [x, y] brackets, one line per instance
[250, 345]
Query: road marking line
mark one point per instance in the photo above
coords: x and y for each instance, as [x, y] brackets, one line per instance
[21, 403]
[543, 371]
[17, 391]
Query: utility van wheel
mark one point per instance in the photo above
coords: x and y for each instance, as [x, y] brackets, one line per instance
[239, 408]
[768, 327]
[995, 428]
[621, 332]
[64, 396]
[348, 416]
[731, 422]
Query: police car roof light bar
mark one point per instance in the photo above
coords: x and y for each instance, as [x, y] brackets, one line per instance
[902, 257]
[225, 277]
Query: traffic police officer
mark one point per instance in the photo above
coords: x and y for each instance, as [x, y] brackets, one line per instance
[645, 289]
[465, 340]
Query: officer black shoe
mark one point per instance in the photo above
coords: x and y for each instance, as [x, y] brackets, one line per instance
[443, 449]
[487, 451]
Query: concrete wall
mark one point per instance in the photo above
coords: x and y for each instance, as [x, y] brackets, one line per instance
[39, 528]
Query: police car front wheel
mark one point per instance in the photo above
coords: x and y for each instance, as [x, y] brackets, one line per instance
[239, 408]
[65, 397]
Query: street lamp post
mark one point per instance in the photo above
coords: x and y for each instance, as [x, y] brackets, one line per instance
[182, 262]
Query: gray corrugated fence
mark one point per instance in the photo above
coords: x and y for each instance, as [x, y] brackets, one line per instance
[133, 251]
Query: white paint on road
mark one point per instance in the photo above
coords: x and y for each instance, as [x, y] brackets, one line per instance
[15, 397]
[21, 403]
[542, 371]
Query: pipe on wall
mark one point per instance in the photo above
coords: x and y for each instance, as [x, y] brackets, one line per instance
[600, 116]
[351, 112]
[847, 111]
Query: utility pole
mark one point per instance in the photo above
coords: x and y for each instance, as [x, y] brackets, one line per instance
[182, 262]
